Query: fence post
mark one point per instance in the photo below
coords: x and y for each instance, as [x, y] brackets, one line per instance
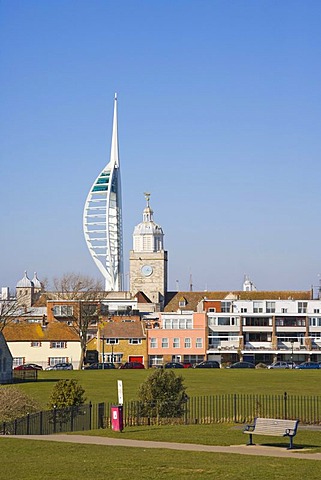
[234, 408]
[55, 419]
[285, 405]
[28, 423]
[72, 418]
[90, 413]
[101, 413]
[41, 423]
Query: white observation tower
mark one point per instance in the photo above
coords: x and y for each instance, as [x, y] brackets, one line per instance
[102, 218]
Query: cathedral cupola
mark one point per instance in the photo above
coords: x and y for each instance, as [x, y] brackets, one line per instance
[148, 236]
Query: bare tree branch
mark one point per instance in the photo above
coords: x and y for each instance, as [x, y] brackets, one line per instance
[86, 292]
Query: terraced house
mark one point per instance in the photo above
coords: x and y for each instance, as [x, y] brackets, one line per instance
[257, 326]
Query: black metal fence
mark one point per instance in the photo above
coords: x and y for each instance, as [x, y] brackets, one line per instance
[72, 419]
[236, 408]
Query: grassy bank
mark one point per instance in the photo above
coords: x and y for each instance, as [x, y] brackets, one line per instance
[101, 386]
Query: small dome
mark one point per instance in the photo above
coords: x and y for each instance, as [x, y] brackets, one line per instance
[25, 282]
[36, 282]
[146, 228]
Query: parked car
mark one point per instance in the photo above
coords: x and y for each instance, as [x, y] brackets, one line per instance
[242, 365]
[173, 365]
[100, 366]
[61, 366]
[28, 366]
[208, 364]
[308, 366]
[280, 364]
[187, 365]
[132, 365]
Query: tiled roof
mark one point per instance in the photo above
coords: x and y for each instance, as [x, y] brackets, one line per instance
[122, 330]
[193, 298]
[33, 332]
[142, 297]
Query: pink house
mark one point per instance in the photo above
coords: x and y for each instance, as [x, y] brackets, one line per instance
[177, 337]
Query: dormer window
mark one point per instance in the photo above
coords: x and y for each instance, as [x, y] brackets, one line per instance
[182, 302]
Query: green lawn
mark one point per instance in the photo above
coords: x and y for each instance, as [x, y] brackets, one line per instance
[101, 386]
[32, 460]
[38, 460]
[307, 438]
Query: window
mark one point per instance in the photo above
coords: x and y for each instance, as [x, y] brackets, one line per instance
[112, 341]
[35, 344]
[135, 341]
[243, 310]
[257, 307]
[257, 322]
[290, 322]
[18, 361]
[316, 310]
[199, 343]
[315, 322]
[302, 307]
[58, 344]
[178, 323]
[113, 357]
[54, 360]
[187, 343]
[155, 360]
[270, 307]
[164, 342]
[175, 342]
[182, 303]
[284, 310]
[212, 309]
[223, 321]
[153, 343]
[225, 307]
[63, 310]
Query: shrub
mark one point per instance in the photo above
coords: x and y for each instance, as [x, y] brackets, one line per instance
[67, 393]
[15, 404]
[163, 395]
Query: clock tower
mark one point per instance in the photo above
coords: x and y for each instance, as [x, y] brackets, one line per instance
[148, 259]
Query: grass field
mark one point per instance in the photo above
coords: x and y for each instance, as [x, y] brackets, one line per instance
[32, 460]
[38, 460]
[101, 386]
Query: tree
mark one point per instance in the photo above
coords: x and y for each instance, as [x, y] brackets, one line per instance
[86, 291]
[67, 393]
[15, 404]
[10, 310]
[163, 394]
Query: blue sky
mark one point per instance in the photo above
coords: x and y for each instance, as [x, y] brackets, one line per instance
[219, 118]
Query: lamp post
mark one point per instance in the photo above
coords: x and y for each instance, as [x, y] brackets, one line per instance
[292, 342]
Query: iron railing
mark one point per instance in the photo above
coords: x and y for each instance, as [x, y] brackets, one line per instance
[235, 408]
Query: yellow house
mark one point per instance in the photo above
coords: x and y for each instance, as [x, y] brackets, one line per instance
[120, 342]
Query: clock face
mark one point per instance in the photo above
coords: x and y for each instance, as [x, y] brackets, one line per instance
[147, 270]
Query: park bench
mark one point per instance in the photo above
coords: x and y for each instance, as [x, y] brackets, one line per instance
[272, 427]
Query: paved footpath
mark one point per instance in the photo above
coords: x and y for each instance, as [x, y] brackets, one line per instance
[259, 450]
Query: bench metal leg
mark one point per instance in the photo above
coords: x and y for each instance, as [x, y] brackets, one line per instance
[291, 442]
[250, 440]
